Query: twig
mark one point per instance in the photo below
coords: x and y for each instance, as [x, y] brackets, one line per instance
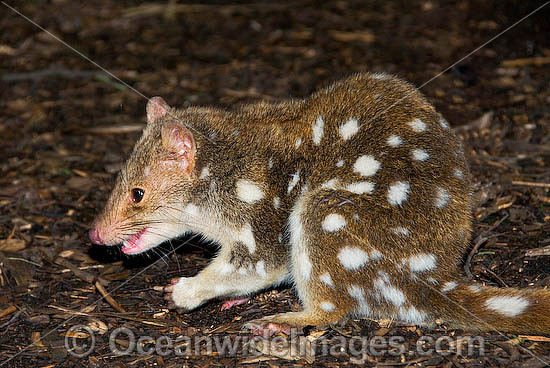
[147, 10]
[492, 273]
[544, 251]
[9, 310]
[70, 311]
[24, 260]
[530, 184]
[537, 61]
[86, 276]
[109, 298]
[12, 319]
[480, 239]
[475, 249]
[8, 238]
[121, 129]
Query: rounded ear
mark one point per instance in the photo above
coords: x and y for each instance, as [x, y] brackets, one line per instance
[156, 109]
[179, 142]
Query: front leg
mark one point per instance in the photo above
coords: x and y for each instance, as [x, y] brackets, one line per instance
[231, 273]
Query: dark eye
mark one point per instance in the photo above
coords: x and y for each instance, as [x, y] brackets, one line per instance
[137, 195]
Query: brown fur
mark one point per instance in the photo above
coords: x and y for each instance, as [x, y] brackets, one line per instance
[256, 149]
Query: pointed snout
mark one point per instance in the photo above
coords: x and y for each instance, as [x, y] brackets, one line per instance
[95, 237]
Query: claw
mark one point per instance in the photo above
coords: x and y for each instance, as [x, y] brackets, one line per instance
[228, 304]
[265, 328]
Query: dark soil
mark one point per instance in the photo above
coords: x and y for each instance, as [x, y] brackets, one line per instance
[66, 127]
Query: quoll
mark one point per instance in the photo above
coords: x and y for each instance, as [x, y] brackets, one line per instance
[359, 196]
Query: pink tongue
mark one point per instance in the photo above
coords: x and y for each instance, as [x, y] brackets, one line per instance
[130, 248]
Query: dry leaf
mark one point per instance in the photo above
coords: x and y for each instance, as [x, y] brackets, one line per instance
[12, 245]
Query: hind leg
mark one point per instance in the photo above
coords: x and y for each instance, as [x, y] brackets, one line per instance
[318, 233]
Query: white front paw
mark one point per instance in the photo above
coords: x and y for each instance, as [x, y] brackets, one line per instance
[185, 293]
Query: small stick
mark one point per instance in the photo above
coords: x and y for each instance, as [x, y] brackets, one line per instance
[9, 310]
[492, 273]
[531, 184]
[526, 61]
[8, 238]
[12, 319]
[481, 238]
[544, 251]
[475, 249]
[70, 311]
[109, 298]
[120, 129]
[86, 276]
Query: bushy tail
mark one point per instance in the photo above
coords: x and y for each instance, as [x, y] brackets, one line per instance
[501, 309]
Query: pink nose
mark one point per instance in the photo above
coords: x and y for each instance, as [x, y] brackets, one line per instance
[94, 236]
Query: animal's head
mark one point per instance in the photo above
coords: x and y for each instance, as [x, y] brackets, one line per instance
[148, 203]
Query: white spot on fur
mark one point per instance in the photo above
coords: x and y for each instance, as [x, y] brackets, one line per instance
[349, 129]
[394, 140]
[448, 286]
[192, 211]
[205, 172]
[225, 268]
[361, 187]
[422, 262]
[318, 130]
[333, 222]
[475, 288]
[352, 258]
[510, 306]
[366, 165]
[248, 191]
[327, 306]
[330, 184]
[242, 271]
[326, 279]
[398, 193]
[298, 143]
[260, 269]
[420, 154]
[459, 174]
[441, 198]
[280, 238]
[358, 294]
[276, 202]
[444, 123]
[400, 230]
[295, 179]
[390, 293]
[246, 236]
[380, 76]
[412, 315]
[340, 163]
[146, 171]
[299, 255]
[270, 163]
[375, 255]
[432, 280]
[417, 125]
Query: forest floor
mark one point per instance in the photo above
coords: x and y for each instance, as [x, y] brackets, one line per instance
[66, 127]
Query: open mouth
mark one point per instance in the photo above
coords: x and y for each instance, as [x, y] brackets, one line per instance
[131, 245]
